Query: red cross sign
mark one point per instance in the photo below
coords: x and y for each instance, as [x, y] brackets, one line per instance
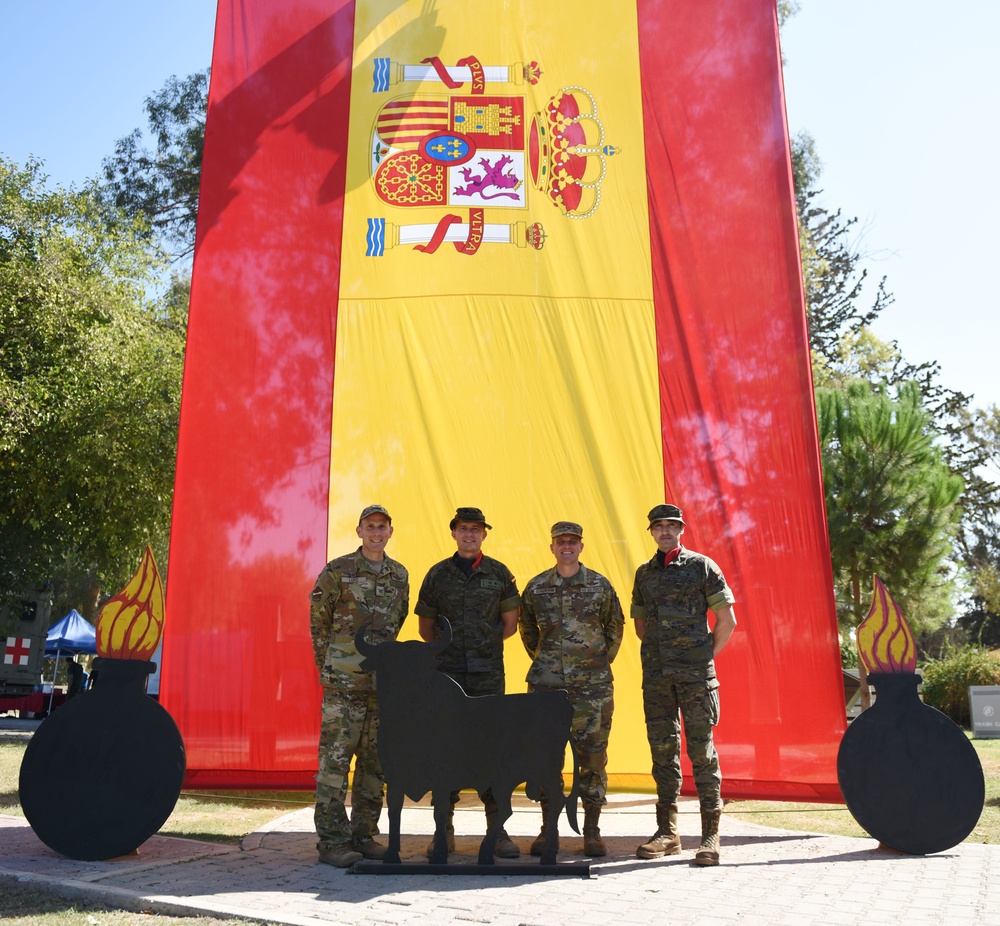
[17, 651]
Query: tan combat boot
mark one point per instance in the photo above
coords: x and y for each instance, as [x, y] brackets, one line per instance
[538, 843]
[505, 846]
[449, 832]
[340, 856]
[369, 848]
[666, 840]
[593, 845]
[708, 851]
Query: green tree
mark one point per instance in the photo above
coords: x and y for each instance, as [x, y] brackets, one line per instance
[833, 277]
[845, 350]
[161, 183]
[90, 374]
[787, 9]
[979, 538]
[891, 501]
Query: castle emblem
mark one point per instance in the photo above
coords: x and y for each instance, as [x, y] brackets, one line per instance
[473, 154]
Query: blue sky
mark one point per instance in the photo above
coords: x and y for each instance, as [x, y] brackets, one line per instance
[74, 73]
[903, 99]
[902, 96]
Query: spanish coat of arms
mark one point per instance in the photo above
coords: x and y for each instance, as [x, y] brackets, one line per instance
[461, 153]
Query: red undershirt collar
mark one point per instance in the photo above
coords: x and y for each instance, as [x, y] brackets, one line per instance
[667, 558]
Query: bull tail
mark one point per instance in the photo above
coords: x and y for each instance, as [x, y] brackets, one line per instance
[574, 791]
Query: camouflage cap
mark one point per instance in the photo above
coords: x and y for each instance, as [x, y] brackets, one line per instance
[470, 514]
[567, 527]
[374, 509]
[665, 513]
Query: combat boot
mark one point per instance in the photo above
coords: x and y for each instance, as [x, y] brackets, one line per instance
[340, 856]
[538, 843]
[593, 845]
[505, 846]
[449, 834]
[708, 851]
[666, 840]
[369, 848]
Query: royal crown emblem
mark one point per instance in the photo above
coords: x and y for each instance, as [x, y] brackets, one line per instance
[482, 153]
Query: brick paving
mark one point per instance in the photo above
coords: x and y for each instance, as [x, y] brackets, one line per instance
[767, 877]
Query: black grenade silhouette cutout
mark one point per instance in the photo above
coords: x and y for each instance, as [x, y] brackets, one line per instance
[102, 774]
[909, 775]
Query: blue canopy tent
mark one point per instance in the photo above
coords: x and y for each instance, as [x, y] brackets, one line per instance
[71, 635]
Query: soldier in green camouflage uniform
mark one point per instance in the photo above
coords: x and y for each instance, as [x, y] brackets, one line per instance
[671, 596]
[362, 587]
[571, 625]
[478, 596]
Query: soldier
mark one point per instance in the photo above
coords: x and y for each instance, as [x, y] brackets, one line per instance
[571, 625]
[670, 598]
[478, 595]
[362, 587]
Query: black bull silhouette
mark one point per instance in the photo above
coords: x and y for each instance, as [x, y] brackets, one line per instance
[433, 737]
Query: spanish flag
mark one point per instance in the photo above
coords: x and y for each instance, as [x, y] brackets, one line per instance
[538, 260]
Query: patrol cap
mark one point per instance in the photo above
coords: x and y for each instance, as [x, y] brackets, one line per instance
[567, 527]
[469, 514]
[374, 509]
[665, 513]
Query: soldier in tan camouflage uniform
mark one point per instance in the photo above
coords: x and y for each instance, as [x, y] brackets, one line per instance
[478, 596]
[362, 587]
[670, 599]
[571, 625]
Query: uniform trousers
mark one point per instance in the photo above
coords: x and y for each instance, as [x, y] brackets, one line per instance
[348, 729]
[665, 700]
[593, 707]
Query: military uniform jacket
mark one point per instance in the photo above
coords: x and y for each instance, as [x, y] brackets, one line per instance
[350, 592]
[473, 605]
[673, 600]
[571, 628]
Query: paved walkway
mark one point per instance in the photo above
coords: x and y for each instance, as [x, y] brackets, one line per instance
[766, 877]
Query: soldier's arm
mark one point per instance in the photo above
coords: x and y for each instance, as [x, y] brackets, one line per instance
[509, 620]
[725, 624]
[510, 604]
[638, 609]
[404, 606]
[527, 625]
[323, 600]
[613, 622]
[426, 612]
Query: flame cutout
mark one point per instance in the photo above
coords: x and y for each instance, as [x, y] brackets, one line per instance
[130, 624]
[885, 641]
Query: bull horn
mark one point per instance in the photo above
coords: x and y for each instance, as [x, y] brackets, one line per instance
[361, 644]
